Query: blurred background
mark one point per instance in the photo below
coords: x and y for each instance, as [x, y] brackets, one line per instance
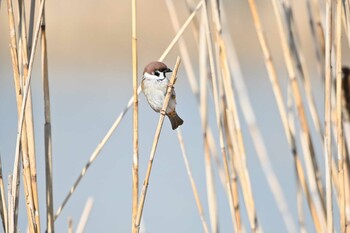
[90, 73]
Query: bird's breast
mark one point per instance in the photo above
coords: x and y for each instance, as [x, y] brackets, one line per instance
[154, 84]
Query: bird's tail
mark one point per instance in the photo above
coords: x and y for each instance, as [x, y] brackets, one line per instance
[175, 120]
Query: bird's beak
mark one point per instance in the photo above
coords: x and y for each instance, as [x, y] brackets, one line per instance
[168, 70]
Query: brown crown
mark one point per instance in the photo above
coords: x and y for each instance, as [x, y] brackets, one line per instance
[155, 65]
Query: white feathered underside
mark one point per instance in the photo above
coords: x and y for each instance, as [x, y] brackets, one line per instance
[154, 88]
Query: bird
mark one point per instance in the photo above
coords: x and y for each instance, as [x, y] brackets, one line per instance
[154, 86]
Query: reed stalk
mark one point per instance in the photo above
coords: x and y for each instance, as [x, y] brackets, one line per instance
[280, 104]
[180, 31]
[47, 131]
[346, 14]
[21, 124]
[327, 113]
[319, 26]
[299, 60]
[155, 143]
[10, 199]
[31, 25]
[291, 123]
[70, 225]
[254, 130]
[339, 118]
[186, 60]
[312, 167]
[29, 158]
[313, 26]
[17, 80]
[303, 73]
[218, 113]
[135, 162]
[23, 107]
[203, 105]
[193, 184]
[85, 215]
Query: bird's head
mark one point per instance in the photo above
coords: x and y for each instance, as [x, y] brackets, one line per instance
[156, 70]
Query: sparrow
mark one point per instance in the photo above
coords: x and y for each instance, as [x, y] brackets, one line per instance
[154, 86]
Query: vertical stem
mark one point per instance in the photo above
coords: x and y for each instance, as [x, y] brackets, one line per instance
[154, 146]
[70, 225]
[327, 135]
[29, 129]
[186, 60]
[47, 134]
[219, 122]
[10, 199]
[316, 215]
[193, 184]
[203, 102]
[13, 188]
[85, 215]
[340, 135]
[135, 161]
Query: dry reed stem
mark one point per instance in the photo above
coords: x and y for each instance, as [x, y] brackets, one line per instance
[155, 143]
[182, 29]
[254, 130]
[232, 154]
[316, 9]
[70, 225]
[31, 25]
[346, 18]
[23, 138]
[85, 215]
[3, 207]
[210, 185]
[300, 64]
[15, 180]
[191, 6]
[280, 104]
[240, 167]
[185, 57]
[10, 199]
[29, 160]
[116, 123]
[203, 105]
[327, 135]
[346, 131]
[135, 161]
[301, 216]
[259, 145]
[317, 45]
[218, 114]
[299, 59]
[47, 131]
[310, 157]
[339, 117]
[211, 192]
[193, 184]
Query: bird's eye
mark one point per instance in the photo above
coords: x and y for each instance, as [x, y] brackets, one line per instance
[156, 73]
